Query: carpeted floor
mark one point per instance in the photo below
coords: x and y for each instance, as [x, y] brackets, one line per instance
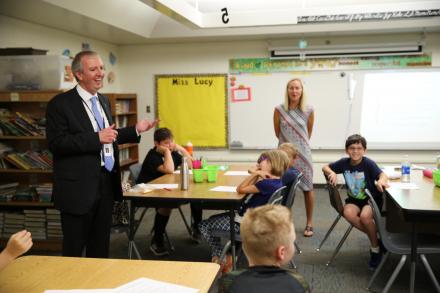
[348, 273]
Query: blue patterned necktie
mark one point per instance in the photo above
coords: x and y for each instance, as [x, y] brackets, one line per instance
[109, 161]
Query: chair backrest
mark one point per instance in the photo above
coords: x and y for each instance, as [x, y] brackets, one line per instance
[378, 219]
[278, 196]
[135, 170]
[290, 198]
[335, 197]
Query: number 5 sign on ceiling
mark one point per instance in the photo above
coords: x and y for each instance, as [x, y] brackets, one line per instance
[225, 18]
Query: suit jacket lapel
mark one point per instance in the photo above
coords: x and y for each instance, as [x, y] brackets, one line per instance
[106, 106]
[80, 109]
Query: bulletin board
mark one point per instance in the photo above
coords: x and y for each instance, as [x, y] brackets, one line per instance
[194, 107]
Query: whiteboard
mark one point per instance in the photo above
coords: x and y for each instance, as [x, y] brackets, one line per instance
[251, 122]
[339, 99]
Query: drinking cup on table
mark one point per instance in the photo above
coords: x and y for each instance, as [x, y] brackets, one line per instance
[212, 175]
[435, 177]
[198, 175]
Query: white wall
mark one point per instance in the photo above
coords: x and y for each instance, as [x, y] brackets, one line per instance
[17, 33]
[137, 66]
[141, 63]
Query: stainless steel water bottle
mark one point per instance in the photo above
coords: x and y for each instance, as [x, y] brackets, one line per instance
[184, 174]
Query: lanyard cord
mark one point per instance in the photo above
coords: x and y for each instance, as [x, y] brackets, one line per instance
[97, 124]
[93, 115]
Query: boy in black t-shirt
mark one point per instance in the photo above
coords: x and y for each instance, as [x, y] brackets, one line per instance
[360, 173]
[267, 234]
[164, 158]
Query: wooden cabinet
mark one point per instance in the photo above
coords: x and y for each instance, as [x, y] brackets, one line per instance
[23, 176]
[26, 168]
[124, 111]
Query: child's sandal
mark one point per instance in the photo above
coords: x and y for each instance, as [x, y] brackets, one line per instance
[308, 231]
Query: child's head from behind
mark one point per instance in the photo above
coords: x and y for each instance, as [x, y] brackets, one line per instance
[164, 137]
[275, 162]
[268, 234]
[355, 147]
[291, 150]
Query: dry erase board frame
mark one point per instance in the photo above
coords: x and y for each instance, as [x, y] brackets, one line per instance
[194, 110]
[335, 95]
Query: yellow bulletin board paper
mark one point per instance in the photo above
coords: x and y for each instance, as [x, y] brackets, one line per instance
[194, 107]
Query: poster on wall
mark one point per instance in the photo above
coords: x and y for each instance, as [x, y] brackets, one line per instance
[194, 108]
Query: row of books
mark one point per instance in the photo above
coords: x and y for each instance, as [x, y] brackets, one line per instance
[124, 155]
[122, 107]
[121, 121]
[37, 193]
[28, 160]
[43, 224]
[7, 191]
[21, 125]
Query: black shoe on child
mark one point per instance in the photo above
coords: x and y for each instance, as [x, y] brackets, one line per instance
[375, 259]
[157, 246]
[158, 250]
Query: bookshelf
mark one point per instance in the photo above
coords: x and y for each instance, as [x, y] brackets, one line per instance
[20, 177]
[124, 111]
[25, 198]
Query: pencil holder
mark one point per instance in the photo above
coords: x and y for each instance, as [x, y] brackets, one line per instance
[212, 175]
[436, 177]
[198, 175]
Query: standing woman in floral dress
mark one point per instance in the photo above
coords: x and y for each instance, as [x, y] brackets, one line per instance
[293, 122]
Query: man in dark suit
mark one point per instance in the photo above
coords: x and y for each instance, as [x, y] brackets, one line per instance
[84, 143]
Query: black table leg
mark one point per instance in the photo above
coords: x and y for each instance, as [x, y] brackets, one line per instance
[232, 225]
[132, 231]
[413, 258]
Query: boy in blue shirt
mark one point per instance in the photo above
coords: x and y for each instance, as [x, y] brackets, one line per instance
[360, 173]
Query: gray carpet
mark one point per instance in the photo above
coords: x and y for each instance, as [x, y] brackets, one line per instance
[348, 273]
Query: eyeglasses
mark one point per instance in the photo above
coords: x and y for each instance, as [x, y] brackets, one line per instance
[261, 159]
[353, 148]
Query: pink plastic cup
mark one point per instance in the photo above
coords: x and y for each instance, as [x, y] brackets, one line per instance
[197, 164]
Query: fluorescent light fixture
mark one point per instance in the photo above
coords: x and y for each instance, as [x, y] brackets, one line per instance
[346, 50]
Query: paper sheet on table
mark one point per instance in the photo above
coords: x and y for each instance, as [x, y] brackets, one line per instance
[236, 173]
[402, 185]
[398, 167]
[417, 167]
[142, 285]
[144, 188]
[178, 171]
[395, 167]
[140, 188]
[224, 188]
[162, 186]
[392, 173]
[81, 291]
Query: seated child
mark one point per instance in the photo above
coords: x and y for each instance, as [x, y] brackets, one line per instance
[164, 158]
[291, 150]
[360, 173]
[18, 244]
[267, 234]
[261, 184]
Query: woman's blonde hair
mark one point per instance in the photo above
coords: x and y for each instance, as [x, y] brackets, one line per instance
[264, 229]
[302, 99]
[290, 149]
[278, 160]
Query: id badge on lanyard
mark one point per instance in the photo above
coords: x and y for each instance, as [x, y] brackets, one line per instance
[107, 149]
